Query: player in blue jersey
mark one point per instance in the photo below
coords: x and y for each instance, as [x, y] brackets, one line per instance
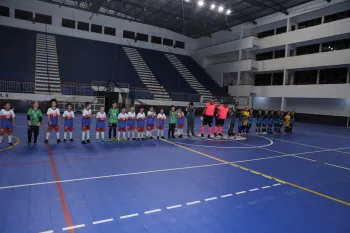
[250, 121]
[276, 122]
[68, 116]
[240, 122]
[53, 120]
[180, 122]
[7, 122]
[264, 122]
[101, 124]
[259, 119]
[151, 116]
[86, 123]
[122, 118]
[140, 124]
[270, 121]
[131, 123]
[161, 122]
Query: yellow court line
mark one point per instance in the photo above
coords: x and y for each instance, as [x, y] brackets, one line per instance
[260, 173]
[10, 147]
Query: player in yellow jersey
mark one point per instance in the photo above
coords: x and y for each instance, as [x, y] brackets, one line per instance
[246, 115]
[287, 123]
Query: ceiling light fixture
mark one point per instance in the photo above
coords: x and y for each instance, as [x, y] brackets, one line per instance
[200, 3]
[212, 6]
[221, 8]
[228, 12]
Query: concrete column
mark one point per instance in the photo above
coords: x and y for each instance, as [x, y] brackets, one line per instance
[285, 76]
[322, 20]
[318, 77]
[320, 48]
[240, 54]
[238, 77]
[12, 12]
[286, 51]
[283, 104]
[289, 26]
[292, 78]
[348, 75]
[241, 31]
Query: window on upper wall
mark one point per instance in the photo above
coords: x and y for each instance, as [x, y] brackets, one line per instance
[4, 11]
[25, 15]
[333, 76]
[168, 42]
[68, 23]
[309, 49]
[83, 26]
[156, 40]
[310, 23]
[129, 34]
[96, 28]
[179, 44]
[41, 18]
[277, 79]
[280, 53]
[281, 30]
[305, 77]
[266, 33]
[262, 79]
[337, 16]
[142, 37]
[264, 56]
[109, 31]
[336, 45]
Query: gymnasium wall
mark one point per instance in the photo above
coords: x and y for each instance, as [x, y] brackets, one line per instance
[58, 12]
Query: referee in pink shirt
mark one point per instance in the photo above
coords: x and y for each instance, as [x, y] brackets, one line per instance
[208, 115]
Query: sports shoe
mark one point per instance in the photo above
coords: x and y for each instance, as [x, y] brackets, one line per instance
[97, 141]
[215, 135]
[220, 134]
[46, 141]
[125, 139]
[202, 135]
[157, 137]
[83, 142]
[10, 144]
[88, 141]
[208, 135]
[71, 139]
[64, 140]
[162, 137]
[58, 140]
[109, 140]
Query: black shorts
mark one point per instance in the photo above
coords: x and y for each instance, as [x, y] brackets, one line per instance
[219, 122]
[112, 125]
[208, 120]
[258, 124]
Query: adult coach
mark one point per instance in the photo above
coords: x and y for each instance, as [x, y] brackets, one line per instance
[190, 115]
[208, 115]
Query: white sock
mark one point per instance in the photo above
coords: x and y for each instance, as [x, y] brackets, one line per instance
[138, 134]
[128, 134]
[181, 131]
[123, 134]
[65, 135]
[58, 135]
[158, 132]
[103, 135]
[150, 133]
[1, 137]
[97, 135]
[162, 133]
[147, 133]
[88, 134]
[70, 135]
[133, 134]
[83, 136]
[10, 138]
[118, 135]
[47, 135]
[141, 135]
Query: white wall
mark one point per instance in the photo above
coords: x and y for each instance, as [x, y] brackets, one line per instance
[267, 103]
[69, 13]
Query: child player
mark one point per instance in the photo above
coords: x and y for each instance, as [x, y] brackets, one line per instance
[172, 122]
[208, 115]
[34, 117]
[281, 122]
[161, 122]
[86, 122]
[180, 122]
[245, 120]
[53, 119]
[270, 121]
[7, 122]
[250, 121]
[232, 117]
[101, 124]
[264, 121]
[287, 122]
[291, 122]
[276, 122]
[131, 123]
[122, 118]
[140, 124]
[240, 123]
[113, 121]
[259, 119]
[68, 116]
[220, 120]
[151, 115]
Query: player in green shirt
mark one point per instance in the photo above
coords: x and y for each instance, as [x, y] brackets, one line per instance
[113, 121]
[34, 117]
[172, 122]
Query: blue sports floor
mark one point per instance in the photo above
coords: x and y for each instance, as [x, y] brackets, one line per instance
[297, 183]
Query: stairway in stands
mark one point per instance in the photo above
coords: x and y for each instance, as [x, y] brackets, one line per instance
[47, 78]
[146, 75]
[191, 80]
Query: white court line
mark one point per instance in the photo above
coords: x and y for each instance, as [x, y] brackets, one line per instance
[211, 199]
[252, 190]
[152, 211]
[278, 184]
[241, 192]
[255, 172]
[129, 216]
[73, 227]
[304, 158]
[333, 165]
[226, 195]
[266, 187]
[173, 207]
[193, 202]
[103, 221]
[51, 231]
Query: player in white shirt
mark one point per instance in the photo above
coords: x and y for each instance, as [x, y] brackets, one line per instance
[161, 122]
[131, 123]
[122, 118]
[140, 124]
[101, 124]
[53, 119]
[7, 122]
[151, 115]
[86, 123]
[68, 116]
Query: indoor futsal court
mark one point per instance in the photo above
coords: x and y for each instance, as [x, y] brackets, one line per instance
[285, 183]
